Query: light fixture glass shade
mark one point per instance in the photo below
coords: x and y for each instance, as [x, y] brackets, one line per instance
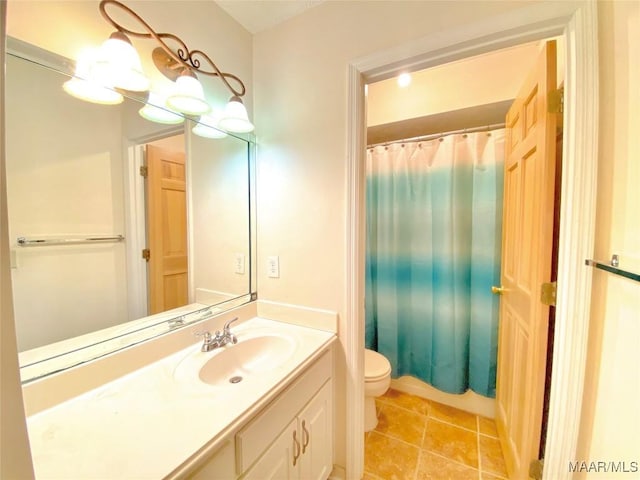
[119, 64]
[188, 96]
[85, 86]
[235, 117]
[207, 127]
[157, 111]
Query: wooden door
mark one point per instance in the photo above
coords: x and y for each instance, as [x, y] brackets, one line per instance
[166, 229]
[529, 179]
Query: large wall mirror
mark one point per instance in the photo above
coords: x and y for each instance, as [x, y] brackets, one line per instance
[121, 229]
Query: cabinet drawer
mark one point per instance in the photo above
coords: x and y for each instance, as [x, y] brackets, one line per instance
[254, 438]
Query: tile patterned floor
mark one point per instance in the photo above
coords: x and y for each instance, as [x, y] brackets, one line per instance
[417, 439]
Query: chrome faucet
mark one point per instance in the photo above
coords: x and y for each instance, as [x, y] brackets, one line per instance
[220, 339]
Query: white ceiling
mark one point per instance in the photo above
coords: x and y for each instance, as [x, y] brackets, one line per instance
[258, 15]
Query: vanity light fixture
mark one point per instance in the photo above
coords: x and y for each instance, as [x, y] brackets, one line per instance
[188, 96]
[180, 65]
[119, 65]
[235, 117]
[85, 85]
[208, 127]
[156, 110]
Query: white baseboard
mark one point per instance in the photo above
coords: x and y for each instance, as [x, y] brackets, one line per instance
[338, 473]
[469, 401]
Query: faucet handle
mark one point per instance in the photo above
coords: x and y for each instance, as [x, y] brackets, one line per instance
[206, 335]
[227, 326]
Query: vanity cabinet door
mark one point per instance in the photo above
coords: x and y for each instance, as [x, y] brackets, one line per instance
[315, 426]
[281, 461]
[304, 449]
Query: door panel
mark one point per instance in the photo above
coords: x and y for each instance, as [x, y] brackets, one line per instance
[526, 258]
[167, 229]
[277, 462]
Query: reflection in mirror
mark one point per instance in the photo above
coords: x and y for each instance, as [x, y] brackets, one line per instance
[220, 213]
[84, 214]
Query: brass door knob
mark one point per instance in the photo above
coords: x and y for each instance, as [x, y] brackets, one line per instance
[498, 290]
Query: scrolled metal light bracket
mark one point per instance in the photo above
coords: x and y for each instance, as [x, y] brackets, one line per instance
[169, 62]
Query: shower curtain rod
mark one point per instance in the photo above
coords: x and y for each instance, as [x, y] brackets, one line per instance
[485, 128]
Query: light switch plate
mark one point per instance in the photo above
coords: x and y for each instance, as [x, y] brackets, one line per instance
[273, 267]
[239, 264]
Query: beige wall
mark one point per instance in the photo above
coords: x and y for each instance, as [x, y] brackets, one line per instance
[220, 209]
[611, 420]
[15, 457]
[484, 79]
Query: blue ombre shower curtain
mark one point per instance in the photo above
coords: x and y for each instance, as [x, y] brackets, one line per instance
[434, 223]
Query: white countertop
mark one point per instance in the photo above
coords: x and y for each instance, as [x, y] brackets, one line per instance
[148, 423]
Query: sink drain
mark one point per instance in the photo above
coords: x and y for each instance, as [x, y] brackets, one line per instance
[237, 379]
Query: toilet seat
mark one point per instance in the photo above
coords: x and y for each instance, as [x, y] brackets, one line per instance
[376, 366]
[376, 379]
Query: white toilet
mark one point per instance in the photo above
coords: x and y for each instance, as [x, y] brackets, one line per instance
[377, 378]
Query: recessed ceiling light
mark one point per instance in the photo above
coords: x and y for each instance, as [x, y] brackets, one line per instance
[404, 80]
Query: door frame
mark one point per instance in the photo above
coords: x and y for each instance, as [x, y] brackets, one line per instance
[577, 23]
[135, 219]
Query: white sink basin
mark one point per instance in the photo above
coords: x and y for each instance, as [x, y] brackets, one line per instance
[246, 358]
[251, 357]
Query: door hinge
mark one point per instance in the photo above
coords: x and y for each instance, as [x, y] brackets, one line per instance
[555, 101]
[548, 293]
[144, 171]
[535, 469]
[146, 254]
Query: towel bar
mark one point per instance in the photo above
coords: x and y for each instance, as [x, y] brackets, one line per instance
[612, 267]
[31, 242]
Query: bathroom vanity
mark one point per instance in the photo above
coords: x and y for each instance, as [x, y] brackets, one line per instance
[258, 409]
[289, 439]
